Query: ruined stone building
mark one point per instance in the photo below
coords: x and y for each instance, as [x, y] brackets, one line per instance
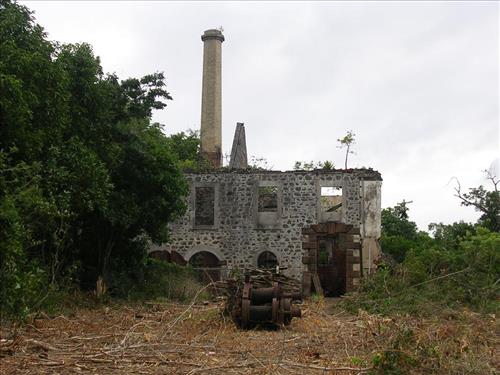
[319, 226]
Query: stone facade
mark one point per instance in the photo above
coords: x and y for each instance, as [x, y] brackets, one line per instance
[241, 231]
[340, 270]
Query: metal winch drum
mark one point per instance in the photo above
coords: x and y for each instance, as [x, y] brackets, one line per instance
[265, 306]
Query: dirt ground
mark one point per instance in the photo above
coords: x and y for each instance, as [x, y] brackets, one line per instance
[171, 338]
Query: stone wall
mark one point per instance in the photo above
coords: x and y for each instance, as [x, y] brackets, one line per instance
[371, 224]
[345, 240]
[240, 232]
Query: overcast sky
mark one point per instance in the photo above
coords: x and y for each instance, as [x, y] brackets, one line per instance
[418, 82]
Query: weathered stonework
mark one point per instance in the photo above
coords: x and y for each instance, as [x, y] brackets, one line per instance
[240, 232]
[315, 224]
[211, 100]
[239, 150]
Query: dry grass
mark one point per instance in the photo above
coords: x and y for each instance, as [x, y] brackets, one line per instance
[170, 338]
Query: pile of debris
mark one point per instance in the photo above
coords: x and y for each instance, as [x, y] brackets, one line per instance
[261, 297]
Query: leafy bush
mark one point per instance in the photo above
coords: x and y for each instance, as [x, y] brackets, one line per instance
[22, 280]
[436, 278]
[83, 170]
[398, 246]
[156, 279]
[399, 234]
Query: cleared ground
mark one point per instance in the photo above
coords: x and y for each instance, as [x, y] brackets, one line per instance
[170, 338]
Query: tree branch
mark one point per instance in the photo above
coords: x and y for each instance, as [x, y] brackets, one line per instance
[491, 177]
[467, 202]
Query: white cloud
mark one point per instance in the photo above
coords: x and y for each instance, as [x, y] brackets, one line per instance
[416, 81]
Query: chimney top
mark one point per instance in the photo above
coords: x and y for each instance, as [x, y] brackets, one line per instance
[212, 34]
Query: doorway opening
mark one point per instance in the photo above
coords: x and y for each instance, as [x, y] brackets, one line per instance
[207, 266]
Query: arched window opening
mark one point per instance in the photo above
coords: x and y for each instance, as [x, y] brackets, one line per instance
[207, 265]
[267, 260]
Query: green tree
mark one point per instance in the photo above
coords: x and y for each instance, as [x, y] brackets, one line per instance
[186, 147]
[33, 96]
[22, 280]
[346, 142]
[33, 118]
[487, 202]
[395, 221]
[148, 187]
[86, 179]
[448, 236]
[399, 234]
[114, 120]
[433, 277]
[145, 94]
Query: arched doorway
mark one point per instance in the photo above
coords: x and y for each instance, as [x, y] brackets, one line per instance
[267, 260]
[207, 266]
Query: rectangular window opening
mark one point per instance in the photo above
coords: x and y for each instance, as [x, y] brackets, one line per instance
[204, 211]
[331, 198]
[268, 199]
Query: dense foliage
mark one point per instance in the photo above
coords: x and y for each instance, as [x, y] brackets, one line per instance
[485, 201]
[86, 179]
[157, 279]
[399, 234]
[438, 277]
[456, 265]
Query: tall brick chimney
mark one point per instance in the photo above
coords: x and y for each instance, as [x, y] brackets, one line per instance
[211, 100]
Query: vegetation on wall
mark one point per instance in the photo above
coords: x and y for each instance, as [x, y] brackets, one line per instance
[309, 166]
[347, 141]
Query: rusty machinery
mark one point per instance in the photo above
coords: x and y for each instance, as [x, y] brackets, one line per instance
[268, 305]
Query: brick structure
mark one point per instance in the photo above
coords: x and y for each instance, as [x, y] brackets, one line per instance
[211, 100]
[238, 215]
[341, 272]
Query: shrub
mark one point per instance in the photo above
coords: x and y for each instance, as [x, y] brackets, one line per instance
[22, 279]
[156, 279]
[435, 278]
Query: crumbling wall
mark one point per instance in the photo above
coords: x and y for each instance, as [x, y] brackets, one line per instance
[371, 224]
[237, 233]
[344, 272]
